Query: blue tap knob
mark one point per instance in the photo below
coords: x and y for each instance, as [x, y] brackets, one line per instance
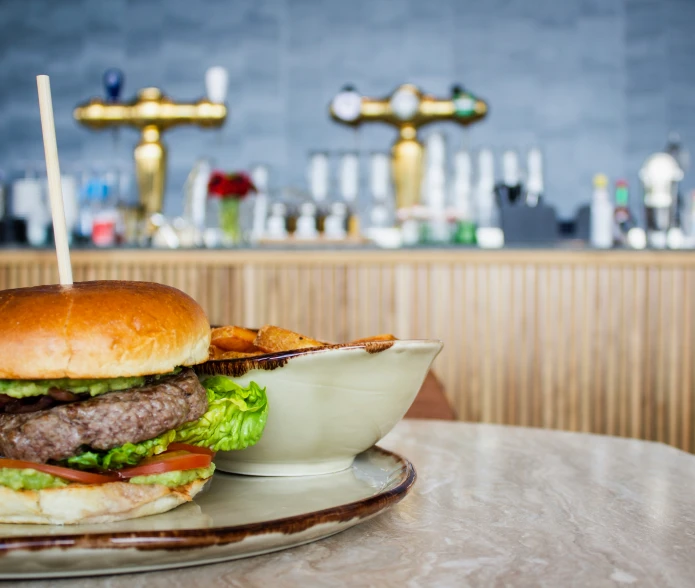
[113, 84]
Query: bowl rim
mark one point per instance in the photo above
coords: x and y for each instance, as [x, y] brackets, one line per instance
[270, 361]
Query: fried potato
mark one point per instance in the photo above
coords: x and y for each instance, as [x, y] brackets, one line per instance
[234, 339]
[235, 342]
[237, 354]
[213, 352]
[272, 339]
[386, 337]
[217, 353]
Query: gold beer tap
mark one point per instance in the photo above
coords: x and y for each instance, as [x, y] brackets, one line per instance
[407, 109]
[153, 113]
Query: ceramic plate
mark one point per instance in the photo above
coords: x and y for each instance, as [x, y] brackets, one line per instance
[235, 517]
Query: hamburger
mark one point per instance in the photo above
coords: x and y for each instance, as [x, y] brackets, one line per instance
[102, 417]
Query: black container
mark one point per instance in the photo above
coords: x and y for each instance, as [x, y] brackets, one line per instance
[13, 231]
[529, 225]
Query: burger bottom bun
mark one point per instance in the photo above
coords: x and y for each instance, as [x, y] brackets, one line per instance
[84, 504]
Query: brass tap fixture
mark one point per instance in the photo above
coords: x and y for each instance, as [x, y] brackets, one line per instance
[153, 113]
[407, 109]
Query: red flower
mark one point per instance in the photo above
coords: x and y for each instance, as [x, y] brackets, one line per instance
[223, 185]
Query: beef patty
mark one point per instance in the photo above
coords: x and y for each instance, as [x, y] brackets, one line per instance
[105, 422]
[54, 397]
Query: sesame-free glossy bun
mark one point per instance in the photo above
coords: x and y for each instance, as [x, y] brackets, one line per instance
[104, 329]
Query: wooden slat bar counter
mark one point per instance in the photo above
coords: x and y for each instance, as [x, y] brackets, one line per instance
[577, 340]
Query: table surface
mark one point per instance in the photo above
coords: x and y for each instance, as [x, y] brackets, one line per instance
[495, 506]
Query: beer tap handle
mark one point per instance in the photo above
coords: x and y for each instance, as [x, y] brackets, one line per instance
[347, 105]
[113, 84]
[216, 82]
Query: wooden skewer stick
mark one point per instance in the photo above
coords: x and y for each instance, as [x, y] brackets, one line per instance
[55, 190]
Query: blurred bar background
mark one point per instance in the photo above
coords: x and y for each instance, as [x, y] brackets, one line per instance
[598, 85]
[575, 121]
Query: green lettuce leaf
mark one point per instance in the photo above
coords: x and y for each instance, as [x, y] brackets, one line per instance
[235, 418]
[129, 454]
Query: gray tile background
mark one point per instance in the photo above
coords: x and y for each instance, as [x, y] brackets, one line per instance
[597, 84]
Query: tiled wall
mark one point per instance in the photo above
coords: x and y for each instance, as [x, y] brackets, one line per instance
[597, 84]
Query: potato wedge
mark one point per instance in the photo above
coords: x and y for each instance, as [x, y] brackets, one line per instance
[214, 352]
[217, 353]
[234, 339]
[385, 337]
[237, 354]
[272, 339]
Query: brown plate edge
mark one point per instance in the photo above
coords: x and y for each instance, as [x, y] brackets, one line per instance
[198, 538]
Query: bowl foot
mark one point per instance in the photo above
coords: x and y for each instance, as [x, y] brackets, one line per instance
[284, 468]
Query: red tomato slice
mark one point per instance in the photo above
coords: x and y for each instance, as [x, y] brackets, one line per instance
[163, 456]
[167, 462]
[64, 473]
[190, 448]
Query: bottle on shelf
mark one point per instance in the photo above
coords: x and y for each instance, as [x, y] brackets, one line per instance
[410, 221]
[509, 190]
[436, 227]
[379, 219]
[349, 179]
[276, 227]
[319, 177]
[626, 231]
[676, 235]
[292, 200]
[30, 205]
[660, 175]
[691, 221]
[336, 222]
[260, 178]
[307, 229]
[83, 229]
[601, 233]
[105, 218]
[462, 211]
[534, 181]
[489, 234]
[196, 202]
[380, 188]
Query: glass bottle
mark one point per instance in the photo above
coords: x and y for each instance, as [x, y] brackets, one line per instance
[462, 188]
[489, 234]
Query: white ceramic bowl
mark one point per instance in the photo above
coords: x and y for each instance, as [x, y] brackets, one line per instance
[325, 405]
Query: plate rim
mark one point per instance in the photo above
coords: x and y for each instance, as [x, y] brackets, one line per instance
[182, 539]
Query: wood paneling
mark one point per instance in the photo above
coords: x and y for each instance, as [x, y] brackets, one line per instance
[576, 340]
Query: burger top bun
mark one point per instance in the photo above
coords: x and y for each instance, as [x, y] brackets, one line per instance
[103, 329]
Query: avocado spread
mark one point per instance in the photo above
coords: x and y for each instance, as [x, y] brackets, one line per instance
[28, 479]
[26, 388]
[174, 479]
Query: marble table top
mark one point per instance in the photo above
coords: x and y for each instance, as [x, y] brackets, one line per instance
[495, 506]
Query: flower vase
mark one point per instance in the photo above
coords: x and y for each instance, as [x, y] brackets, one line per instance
[229, 219]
